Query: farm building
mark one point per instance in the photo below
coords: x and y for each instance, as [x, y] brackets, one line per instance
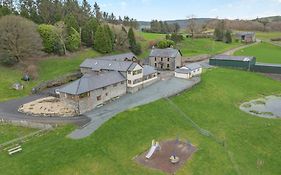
[247, 37]
[165, 59]
[188, 71]
[105, 79]
[239, 62]
[120, 57]
[267, 68]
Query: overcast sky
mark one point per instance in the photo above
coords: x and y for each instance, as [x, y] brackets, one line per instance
[180, 9]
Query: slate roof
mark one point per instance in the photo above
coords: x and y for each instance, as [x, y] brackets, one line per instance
[98, 65]
[147, 70]
[188, 68]
[166, 53]
[246, 34]
[193, 66]
[121, 57]
[183, 70]
[90, 82]
[233, 58]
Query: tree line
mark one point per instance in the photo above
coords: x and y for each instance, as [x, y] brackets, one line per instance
[162, 27]
[59, 26]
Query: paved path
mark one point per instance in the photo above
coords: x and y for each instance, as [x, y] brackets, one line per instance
[163, 88]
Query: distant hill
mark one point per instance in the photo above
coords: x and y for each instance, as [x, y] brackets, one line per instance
[183, 23]
[271, 18]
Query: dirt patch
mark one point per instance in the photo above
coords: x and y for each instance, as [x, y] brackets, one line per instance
[48, 107]
[160, 160]
[274, 76]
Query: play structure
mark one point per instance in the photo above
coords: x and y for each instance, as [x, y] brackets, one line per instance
[154, 147]
[167, 156]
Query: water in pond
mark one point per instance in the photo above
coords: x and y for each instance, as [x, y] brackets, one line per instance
[268, 107]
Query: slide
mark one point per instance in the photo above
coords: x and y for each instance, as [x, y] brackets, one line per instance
[151, 151]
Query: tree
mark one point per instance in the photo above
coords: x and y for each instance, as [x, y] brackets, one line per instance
[97, 12]
[192, 25]
[131, 37]
[88, 32]
[228, 37]
[136, 49]
[110, 34]
[71, 22]
[219, 30]
[19, 39]
[49, 37]
[264, 22]
[61, 32]
[73, 40]
[165, 44]
[102, 41]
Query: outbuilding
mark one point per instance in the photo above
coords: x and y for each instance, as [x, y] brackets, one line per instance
[189, 71]
[238, 62]
[246, 37]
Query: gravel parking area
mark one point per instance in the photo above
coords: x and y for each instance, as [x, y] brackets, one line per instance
[164, 88]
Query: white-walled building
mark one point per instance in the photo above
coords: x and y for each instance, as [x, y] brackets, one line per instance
[189, 71]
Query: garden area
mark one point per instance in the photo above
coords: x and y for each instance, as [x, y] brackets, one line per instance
[241, 144]
[264, 52]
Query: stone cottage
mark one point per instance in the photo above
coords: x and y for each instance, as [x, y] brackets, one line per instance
[165, 59]
[247, 37]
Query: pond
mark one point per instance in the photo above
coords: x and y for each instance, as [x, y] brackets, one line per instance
[267, 107]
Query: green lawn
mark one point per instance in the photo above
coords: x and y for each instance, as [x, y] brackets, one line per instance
[268, 35]
[49, 68]
[213, 105]
[264, 52]
[192, 47]
[189, 47]
[9, 132]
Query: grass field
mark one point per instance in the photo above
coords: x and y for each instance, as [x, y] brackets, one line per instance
[264, 52]
[9, 132]
[268, 35]
[48, 69]
[213, 105]
[194, 47]
[189, 47]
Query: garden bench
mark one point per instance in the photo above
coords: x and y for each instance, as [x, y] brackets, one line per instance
[14, 150]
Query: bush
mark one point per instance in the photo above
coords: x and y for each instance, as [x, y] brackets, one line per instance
[32, 71]
[73, 40]
[165, 44]
[49, 37]
[136, 49]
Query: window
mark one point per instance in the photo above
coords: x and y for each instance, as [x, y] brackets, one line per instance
[168, 59]
[129, 72]
[168, 65]
[122, 82]
[106, 94]
[136, 72]
[155, 59]
[99, 98]
[87, 94]
[161, 66]
[129, 82]
[115, 85]
[155, 64]
[161, 59]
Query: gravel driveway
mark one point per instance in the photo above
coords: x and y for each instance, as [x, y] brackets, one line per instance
[9, 112]
[161, 89]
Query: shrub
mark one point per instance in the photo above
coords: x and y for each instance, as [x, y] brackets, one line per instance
[165, 44]
[73, 40]
[49, 37]
[136, 49]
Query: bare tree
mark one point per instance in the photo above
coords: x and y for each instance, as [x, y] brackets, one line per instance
[192, 25]
[19, 38]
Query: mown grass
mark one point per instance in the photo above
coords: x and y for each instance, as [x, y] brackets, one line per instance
[48, 69]
[192, 47]
[264, 52]
[188, 47]
[213, 104]
[9, 132]
[268, 35]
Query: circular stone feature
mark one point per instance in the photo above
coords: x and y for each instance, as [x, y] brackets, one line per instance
[268, 107]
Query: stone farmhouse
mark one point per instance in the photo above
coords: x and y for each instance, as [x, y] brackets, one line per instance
[105, 79]
[247, 37]
[165, 59]
[189, 71]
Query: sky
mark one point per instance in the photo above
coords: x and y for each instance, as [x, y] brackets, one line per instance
[146, 10]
